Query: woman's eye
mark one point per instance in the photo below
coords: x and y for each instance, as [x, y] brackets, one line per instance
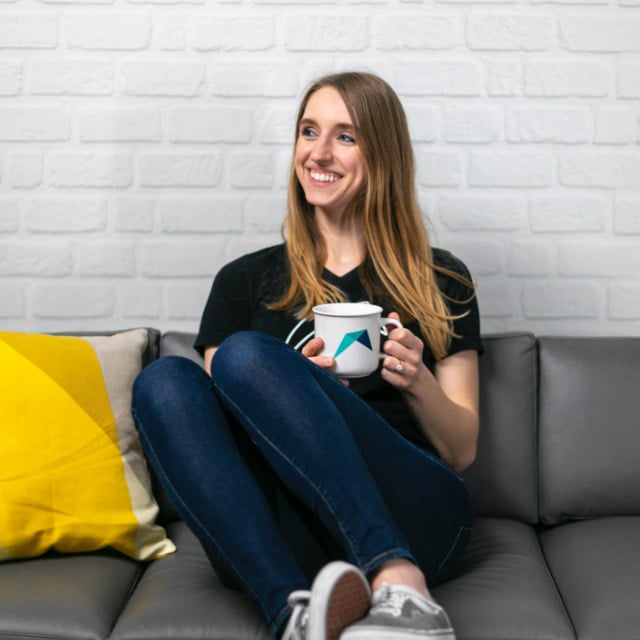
[345, 137]
[307, 132]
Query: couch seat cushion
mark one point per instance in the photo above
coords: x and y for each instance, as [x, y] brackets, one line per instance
[70, 597]
[180, 596]
[596, 565]
[503, 590]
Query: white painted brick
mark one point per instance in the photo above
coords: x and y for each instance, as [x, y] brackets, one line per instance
[560, 300]
[106, 259]
[629, 80]
[26, 124]
[504, 78]
[10, 77]
[65, 214]
[186, 301]
[529, 259]
[439, 169]
[482, 257]
[11, 301]
[482, 213]
[182, 259]
[599, 259]
[8, 215]
[161, 78]
[423, 123]
[106, 31]
[73, 300]
[471, 124]
[119, 124]
[326, 33]
[616, 125]
[134, 213]
[166, 169]
[252, 78]
[440, 77]
[568, 214]
[600, 169]
[90, 169]
[415, 32]
[172, 2]
[72, 77]
[264, 214]
[28, 31]
[276, 125]
[562, 78]
[168, 32]
[231, 33]
[496, 299]
[251, 170]
[240, 245]
[627, 215]
[510, 169]
[210, 124]
[25, 169]
[549, 124]
[623, 302]
[139, 300]
[511, 32]
[598, 32]
[35, 259]
[200, 215]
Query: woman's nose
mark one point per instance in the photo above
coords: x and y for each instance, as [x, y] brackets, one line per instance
[321, 151]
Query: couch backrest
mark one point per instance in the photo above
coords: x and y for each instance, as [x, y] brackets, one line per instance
[589, 427]
[503, 479]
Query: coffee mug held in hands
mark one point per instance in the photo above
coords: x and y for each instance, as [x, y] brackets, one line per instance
[351, 335]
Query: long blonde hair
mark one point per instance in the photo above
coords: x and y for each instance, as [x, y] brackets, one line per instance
[399, 262]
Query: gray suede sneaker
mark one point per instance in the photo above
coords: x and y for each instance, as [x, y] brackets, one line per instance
[400, 613]
[340, 595]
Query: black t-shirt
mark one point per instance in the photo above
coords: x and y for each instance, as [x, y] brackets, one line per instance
[243, 288]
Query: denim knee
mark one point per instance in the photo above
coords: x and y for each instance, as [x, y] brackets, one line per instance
[163, 379]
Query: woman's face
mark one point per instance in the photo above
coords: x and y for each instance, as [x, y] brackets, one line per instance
[328, 161]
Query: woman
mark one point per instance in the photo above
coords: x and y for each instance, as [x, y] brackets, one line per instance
[286, 473]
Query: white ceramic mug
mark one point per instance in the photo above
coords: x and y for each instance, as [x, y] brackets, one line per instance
[351, 334]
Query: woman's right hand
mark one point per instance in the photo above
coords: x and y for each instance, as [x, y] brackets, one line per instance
[312, 351]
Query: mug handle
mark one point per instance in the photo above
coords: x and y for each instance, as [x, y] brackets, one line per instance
[385, 321]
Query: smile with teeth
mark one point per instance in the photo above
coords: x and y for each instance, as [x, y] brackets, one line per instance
[324, 177]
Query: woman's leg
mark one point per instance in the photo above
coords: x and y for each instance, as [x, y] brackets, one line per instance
[376, 493]
[191, 445]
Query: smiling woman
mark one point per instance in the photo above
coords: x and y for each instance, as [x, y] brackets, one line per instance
[368, 466]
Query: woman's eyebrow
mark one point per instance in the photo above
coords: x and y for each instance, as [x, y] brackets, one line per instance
[338, 125]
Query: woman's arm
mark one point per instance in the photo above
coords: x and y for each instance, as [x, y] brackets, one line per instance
[445, 404]
[208, 357]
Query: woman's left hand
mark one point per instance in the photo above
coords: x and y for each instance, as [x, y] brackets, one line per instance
[402, 365]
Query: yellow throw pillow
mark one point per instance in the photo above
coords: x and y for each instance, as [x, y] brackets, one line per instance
[72, 473]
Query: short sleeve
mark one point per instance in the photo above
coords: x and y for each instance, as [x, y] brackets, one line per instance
[463, 304]
[228, 307]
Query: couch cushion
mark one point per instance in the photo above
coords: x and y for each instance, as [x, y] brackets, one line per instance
[503, 479]
[596, 565]
[589, 440]
[179, 343]
[180, 597]
[503, 590]
[72, 472]
[71, 597]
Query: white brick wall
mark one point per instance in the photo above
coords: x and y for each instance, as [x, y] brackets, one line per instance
[144, 143]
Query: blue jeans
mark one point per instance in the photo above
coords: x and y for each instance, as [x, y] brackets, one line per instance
[270, 428]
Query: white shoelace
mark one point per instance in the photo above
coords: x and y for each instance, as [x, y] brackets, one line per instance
[299, 601]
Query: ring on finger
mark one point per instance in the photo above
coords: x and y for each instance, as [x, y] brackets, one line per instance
[399, 368]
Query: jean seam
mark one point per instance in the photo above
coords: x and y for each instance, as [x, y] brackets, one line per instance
[354, 548]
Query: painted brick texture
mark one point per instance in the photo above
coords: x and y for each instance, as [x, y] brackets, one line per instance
[144, 143]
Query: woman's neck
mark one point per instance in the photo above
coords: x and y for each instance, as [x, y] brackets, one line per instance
[344, 240]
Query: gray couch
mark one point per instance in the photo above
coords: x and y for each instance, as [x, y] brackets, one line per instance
[555, 553]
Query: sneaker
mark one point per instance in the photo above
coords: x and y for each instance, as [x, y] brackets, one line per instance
[399, 613]
[340, 595]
